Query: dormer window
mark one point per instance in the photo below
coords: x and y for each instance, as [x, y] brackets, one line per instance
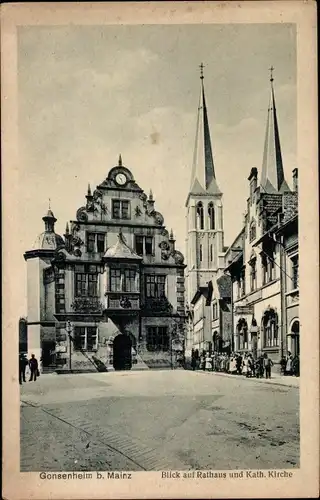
[120, 209]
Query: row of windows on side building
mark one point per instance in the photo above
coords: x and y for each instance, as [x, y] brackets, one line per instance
[268, 274]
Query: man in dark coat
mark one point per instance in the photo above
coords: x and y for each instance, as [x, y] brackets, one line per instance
[33, 364]
[23, 363]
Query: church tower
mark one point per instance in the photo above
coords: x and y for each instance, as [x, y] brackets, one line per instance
[272, 175]
[204, 243]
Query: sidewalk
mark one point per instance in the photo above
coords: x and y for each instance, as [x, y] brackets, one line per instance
[276, 379]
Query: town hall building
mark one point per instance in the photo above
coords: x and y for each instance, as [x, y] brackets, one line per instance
[110, 293]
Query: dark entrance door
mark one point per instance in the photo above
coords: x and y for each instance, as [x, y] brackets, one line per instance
[122, 358]
[48, 353]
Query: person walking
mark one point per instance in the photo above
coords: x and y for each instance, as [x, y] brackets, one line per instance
[23, 363]
[208, 366]
[239, 364]
[193, 360]
[203, 361]
[34, 370]
[233, 365]
[267, 364]
[289, 364]
[251, 367]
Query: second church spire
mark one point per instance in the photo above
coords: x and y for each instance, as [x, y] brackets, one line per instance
[203, 178]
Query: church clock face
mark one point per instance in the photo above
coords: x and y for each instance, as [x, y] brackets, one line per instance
[121, 179]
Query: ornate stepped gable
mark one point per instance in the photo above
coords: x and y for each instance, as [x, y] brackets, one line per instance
[98, 210]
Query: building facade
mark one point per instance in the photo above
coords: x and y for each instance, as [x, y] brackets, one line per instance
[111, 292]
[264, 303]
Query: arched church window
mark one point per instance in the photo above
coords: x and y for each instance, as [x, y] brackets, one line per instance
[200, 218]
[200, 253]
[253, 231]
[211, 215]
[211, 253]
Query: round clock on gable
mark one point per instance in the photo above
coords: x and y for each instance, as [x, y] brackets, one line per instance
[121, 179]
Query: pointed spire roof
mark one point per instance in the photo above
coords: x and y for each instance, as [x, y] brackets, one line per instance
[203, 179]
[272, 176]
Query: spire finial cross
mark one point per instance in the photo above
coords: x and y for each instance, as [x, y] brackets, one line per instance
[271, 73]
[49, 203]
[201, 71]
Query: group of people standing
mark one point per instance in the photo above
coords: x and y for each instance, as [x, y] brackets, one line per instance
[239, 363]
[32, 363]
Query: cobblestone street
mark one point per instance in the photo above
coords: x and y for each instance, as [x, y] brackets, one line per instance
[155, 420]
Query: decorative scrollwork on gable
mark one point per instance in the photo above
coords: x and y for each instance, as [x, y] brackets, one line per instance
[97, 194]
[138, 211]
[164, 245]
[143, 197]
[165, 233]
[178, 257]
[158, 217]
[82, 215]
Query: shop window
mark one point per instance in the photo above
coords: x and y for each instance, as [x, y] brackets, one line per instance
[157, 338]
[155, 286]
[120, 209]
[85, 338]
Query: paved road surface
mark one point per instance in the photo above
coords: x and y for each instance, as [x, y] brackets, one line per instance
[157, 420]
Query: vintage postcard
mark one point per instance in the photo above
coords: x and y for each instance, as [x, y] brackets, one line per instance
[160, 250]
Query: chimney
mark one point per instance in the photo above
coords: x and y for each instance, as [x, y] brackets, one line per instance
[295, 179]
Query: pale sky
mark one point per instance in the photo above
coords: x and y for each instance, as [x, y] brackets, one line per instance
[88, 93]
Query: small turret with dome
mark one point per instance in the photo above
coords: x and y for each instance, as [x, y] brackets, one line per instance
[49, 239]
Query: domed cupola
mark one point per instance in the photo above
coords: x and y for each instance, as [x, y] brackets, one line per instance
[49, 240]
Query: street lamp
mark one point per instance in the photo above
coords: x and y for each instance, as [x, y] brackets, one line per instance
[69, 330]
